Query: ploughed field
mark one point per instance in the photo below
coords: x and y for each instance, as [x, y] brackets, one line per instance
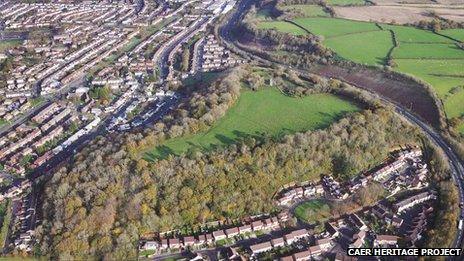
[266, 111]
[434, 58]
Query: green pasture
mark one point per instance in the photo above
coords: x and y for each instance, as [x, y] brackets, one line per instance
[353, 47]
[256, 112]
[428, 51]
[414, 35]
[443, 75]
[457, 34]
[330, 27]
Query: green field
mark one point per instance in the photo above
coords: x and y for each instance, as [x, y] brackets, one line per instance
[457, 34]
[430, 57]
[375, 53]
[264, 111]
[346, 2]
[454, 105]
[428, 51]
[313, 211]
[413, 35]
[282, 26]
[329, 27]
[307, 10]
[443, 75]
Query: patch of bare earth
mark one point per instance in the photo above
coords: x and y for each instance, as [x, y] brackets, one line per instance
[389, 11]
[383, 14]
[402, 91]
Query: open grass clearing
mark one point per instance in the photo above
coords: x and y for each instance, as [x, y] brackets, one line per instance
[313, 211]
[353, 47]
[256, 112]
[282, 27]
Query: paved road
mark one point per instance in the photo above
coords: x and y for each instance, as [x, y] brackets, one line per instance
[434, 136]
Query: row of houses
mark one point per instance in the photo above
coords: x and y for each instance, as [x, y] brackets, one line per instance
[298, 193]
[24, 16]
[271, 223]
[411, 201]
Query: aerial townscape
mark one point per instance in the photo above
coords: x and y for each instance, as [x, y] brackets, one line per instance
[231, 129]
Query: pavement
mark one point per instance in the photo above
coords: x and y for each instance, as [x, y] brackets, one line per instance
[456, 164]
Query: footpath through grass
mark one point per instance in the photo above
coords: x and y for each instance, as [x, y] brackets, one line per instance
[431, 57]
[256, 112]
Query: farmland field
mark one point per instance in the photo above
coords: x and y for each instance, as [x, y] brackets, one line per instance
[329, 27]
[443, 75]
[457, 34]
[264, 111]
[414, 35]
[428, 51]
[375, 53]
[430, 57]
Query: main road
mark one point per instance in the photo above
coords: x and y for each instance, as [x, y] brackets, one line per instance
[456, 164]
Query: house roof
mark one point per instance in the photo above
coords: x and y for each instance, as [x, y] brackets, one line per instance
[389, 238]
[278, 240]
[232, 230]
[260, 246]
[218, 233]
[302, 254]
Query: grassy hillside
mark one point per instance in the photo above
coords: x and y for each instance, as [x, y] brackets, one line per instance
[264, 111]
